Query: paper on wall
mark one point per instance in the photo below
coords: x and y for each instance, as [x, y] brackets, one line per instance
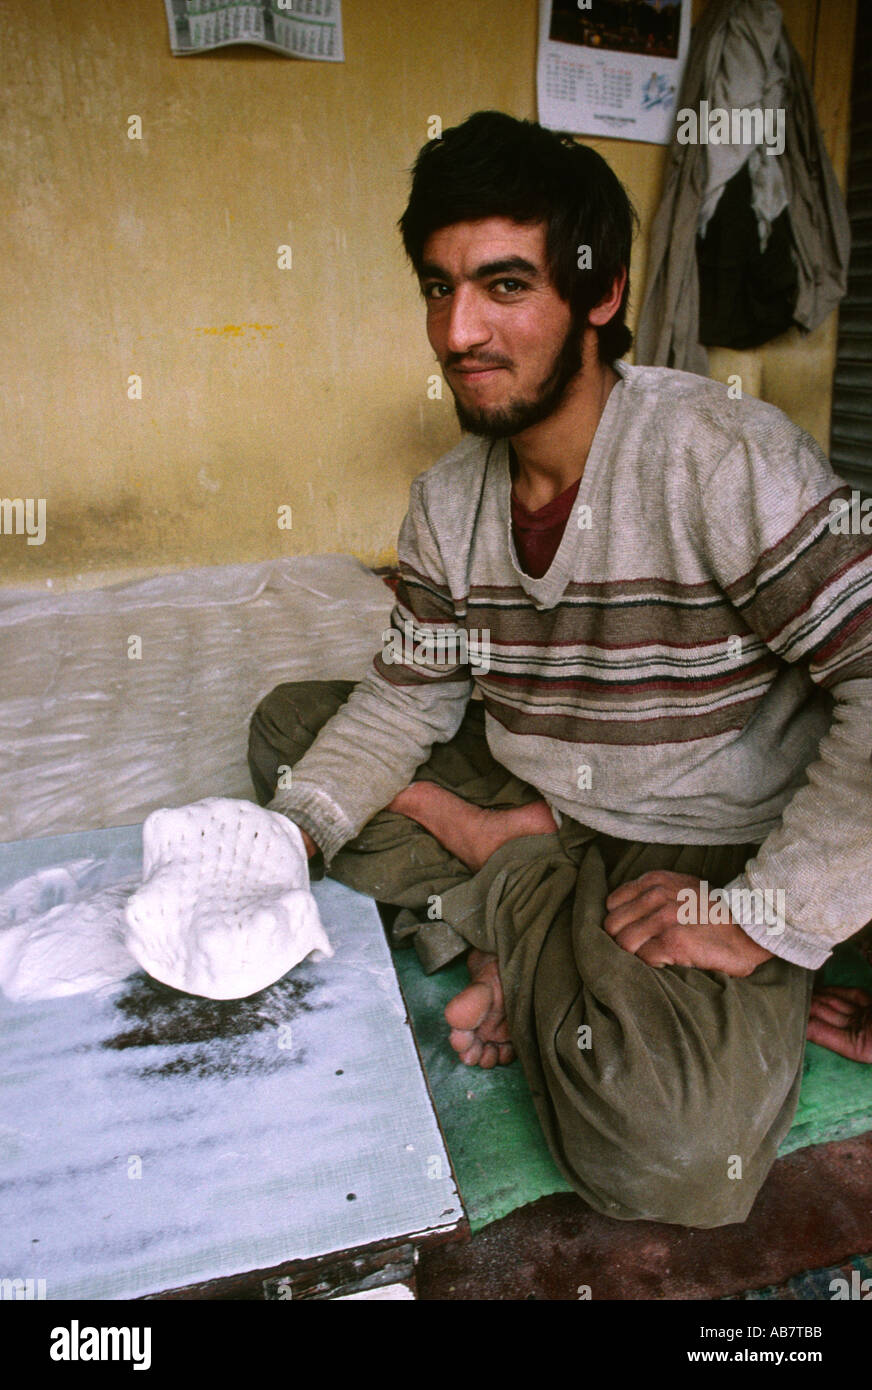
[612, 67]
[297, 28]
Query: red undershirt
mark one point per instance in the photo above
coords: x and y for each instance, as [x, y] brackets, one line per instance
[537, 535]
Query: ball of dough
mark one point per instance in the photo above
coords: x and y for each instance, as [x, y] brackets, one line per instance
[225, 908]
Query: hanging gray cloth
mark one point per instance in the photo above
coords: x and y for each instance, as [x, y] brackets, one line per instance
[735, 44]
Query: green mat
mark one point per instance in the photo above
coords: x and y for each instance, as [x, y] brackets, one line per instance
[490, 1125]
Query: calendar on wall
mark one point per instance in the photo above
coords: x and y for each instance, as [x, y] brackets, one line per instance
[612, 67]
[296, 28]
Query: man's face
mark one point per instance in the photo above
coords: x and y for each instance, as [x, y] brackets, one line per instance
[505, 339]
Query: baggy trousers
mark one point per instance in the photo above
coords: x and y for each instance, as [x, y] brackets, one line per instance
[663, 1093]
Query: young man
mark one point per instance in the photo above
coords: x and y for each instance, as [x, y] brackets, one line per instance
[672, 643]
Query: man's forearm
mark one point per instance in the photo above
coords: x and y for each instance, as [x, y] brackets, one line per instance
[413, 696]
[809, 886]
[367, 753]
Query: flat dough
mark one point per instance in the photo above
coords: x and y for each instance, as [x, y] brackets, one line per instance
[225, 908]
[62, 933]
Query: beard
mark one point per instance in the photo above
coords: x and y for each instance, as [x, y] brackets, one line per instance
[520, 415]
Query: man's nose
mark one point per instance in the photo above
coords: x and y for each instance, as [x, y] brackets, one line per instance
[468, 325]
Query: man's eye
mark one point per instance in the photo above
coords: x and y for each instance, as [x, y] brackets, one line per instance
[436, 291]
[509, 286]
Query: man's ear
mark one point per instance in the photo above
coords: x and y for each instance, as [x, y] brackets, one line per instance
[608, 307]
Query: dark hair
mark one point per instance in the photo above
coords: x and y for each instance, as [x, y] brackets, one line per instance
[496, 166]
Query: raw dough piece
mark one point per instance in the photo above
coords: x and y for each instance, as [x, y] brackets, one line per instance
[62, 932]
[225, 908]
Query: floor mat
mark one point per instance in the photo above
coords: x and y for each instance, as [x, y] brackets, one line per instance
[493, 1136]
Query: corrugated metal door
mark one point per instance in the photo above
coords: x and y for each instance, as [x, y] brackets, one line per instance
[851, 428]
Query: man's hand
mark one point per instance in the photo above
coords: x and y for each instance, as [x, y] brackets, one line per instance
[644, 919]
[308, 843]
[841, 1019]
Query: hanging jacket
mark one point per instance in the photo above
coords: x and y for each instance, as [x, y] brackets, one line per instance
[731, 39]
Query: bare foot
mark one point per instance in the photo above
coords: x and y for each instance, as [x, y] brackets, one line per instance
[841, 1019]
[471, 833]
[477, 1015]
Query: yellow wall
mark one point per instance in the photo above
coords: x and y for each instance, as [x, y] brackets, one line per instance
[261, 387]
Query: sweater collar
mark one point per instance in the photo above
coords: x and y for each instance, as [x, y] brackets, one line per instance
[567, 564]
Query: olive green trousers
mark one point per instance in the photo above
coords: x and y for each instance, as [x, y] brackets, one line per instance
[663, 1093]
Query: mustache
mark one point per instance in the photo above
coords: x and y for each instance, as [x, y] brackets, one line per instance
[467, 359]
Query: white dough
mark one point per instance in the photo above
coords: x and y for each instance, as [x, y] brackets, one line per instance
[225, 908]
[70, 947]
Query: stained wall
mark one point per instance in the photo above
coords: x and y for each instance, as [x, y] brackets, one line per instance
[157, 258]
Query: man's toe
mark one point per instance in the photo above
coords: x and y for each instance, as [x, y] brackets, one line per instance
[469, 1008]
[461, 1039]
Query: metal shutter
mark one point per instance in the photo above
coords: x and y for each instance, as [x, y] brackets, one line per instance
[851, 425]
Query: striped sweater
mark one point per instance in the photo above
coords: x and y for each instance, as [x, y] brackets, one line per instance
[694, 667]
